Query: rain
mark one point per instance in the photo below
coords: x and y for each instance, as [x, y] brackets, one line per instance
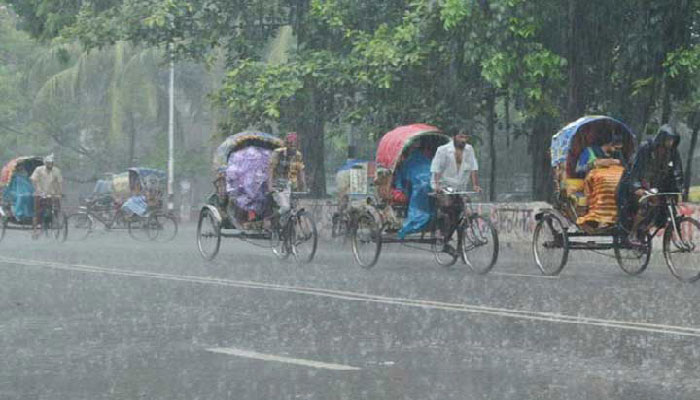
[349, 199]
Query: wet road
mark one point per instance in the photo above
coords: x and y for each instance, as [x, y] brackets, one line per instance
[111, 318]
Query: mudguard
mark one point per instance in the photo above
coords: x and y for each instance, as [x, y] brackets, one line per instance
[214, 211]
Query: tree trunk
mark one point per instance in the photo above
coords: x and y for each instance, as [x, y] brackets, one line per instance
[689, 162]
[491, 123]
[574, 108]
[540, 141]
[132, 139]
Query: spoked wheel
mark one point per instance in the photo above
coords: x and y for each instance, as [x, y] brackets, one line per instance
[208, 235]
[3, 228]
[632, 259]
[304, 238]
[138, 228]
[446, 252]
[479, 244]
[682, 249]
[59, 227]
[367, 241]
[550, 245]
[80, 226]
[162, 227]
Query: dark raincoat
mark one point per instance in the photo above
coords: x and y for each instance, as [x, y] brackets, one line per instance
[650, 169]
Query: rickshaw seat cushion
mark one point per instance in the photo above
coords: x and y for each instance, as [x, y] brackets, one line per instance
[398, 197]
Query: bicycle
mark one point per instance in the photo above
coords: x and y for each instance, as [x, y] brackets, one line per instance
[297, 236]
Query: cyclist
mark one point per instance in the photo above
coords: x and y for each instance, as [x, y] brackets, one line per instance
[48, 189]
[452, 168]
[657, 165]
[285, 174]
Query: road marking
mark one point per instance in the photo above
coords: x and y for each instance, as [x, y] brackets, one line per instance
[287, 360]
[525, 275]
[364, 297]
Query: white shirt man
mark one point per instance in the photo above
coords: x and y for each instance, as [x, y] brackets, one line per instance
[454, 164]
[47, 179]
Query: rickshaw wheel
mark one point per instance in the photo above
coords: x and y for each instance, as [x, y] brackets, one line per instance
[59, 224]
[550, 245]
[3, 229]
[479, 244]
[304, 238]
[161, 227]
[682, 254]
[366, 241]
[138, 228]
[82, 225]
[633, 261]
[208, 235]
[444, 258]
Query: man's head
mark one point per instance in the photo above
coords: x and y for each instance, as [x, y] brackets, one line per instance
[48, 161]
[460, 139]
[667, 138]
[291, 141]
[613, 144]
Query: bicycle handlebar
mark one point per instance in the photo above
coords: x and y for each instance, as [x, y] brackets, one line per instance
[665, 194]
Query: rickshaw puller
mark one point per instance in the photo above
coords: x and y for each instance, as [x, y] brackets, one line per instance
[286, 173]
[657, 165]
[452, 167]
[48, 185]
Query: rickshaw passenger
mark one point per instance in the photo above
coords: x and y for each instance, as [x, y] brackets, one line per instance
[286, 173]
[48, 184]
[413, 178]
[657, 165]
[20, 193]
[602, 166]
[453, 166]
[600, 156]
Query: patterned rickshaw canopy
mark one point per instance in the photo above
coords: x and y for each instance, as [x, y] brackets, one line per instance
[9, 169]
[240, 140]
[570, 141]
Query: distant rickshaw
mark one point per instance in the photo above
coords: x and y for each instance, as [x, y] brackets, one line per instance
[241, 204]
[132, 201]
[381, 219]
[17, 203]
[580, 199]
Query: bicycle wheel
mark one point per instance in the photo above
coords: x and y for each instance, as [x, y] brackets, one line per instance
[479, 244]
[162, 227]
[59, 226]
[138, 228]
[80, 225]
[445, 253]
[682, 249]
[550, 245]
[366, 241]
[304, 238]
[208, 235]
[632, 259]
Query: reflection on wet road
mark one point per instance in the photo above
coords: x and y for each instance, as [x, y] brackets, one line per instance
[117, 319]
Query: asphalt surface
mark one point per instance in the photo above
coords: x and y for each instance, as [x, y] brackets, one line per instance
[112, 318]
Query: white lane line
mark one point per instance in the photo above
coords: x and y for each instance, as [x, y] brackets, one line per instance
[524, 275]
[355, 296]
[287, 360]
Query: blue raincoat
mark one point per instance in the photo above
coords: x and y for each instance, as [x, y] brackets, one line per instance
[20, 192]
[413, 178]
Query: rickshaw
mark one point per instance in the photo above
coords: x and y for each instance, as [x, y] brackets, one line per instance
[352, 180]
[17, 204]
[241, 206]
[562, 229]
[145, 219]
[380, 219]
